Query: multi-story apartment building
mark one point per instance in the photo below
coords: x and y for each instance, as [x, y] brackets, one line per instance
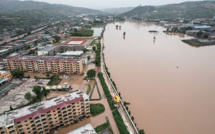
[45, 64]
[41, 118]
[4, 76]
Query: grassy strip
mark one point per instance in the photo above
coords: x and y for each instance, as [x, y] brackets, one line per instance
[103, 127]
[88, 89]
[95, 84]
[119, 121]
[96, 109]
[106, 91]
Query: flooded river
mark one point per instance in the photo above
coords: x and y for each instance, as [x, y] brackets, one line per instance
[170, 85]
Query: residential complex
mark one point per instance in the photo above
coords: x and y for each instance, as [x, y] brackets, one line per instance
[4, 76]
[45, 64]
[41, 118]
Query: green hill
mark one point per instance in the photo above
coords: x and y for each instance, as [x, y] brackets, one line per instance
[26, 15]
[189, 10]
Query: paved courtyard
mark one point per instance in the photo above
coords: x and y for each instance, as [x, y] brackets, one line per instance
[15, 96]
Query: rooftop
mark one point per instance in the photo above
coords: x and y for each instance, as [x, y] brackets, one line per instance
[48, 48]
[2, 72]
[33, 110]
[87, 129]
[76, 53]
[44, 58]
[75, 41]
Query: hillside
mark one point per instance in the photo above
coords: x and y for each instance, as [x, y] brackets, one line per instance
[118, 10]
[189, 10]
[26, 15]
[11, 6]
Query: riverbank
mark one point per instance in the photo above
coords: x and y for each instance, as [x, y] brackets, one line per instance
[123, 110]
[199, 43]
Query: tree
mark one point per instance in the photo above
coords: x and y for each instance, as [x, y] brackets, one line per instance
[29, 33]
[199, 34]
[84, 50]
[88, 57]
[45, 92]
[56, 39]
[11, 108]
[17, 73]
[132, 118]
[94, 48]
[141, 131]
[37, 90]
[28, 96]
[47, 75]
[91, 73]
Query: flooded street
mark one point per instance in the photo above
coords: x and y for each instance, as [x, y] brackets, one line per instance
[169, 84]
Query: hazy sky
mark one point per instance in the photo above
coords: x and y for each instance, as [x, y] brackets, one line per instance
[102, 4]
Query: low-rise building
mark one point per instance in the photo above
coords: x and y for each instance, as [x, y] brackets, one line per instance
[87, 129]
[4, 76]
[42, 117]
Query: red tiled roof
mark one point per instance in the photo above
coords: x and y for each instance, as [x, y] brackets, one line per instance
[46, 110]
[76, 39]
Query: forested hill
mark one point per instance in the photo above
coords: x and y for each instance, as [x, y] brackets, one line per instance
[27, 15]
[197, 9]
[11, 6]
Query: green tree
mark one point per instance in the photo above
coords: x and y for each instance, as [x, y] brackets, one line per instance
[91, 73]
[38, 92]
[84, 50]
[28, 96]
[132, 118]
[47, 75]
[199, 34]
[141, 131]
[88, 57]
[56, 39]
[17, 73]
[45, 92]
[94, 48]
[29, 33]
[11, 108]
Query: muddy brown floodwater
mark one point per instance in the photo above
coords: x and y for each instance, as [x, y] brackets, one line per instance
[170, 85]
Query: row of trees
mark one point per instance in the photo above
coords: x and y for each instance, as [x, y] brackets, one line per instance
[98, 55]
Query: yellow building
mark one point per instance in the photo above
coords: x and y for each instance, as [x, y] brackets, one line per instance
[45, 64]
[5, 76]
[45, 116]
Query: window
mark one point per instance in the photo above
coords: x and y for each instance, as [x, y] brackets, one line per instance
[42, 115]
[39, 125]
[20, 129]
[17, 123]
[12, 131]
[26, 120]
[10, 127]
[68, 106]
[39, 129]
[32, 125]
[36, 118]
[19, 126]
